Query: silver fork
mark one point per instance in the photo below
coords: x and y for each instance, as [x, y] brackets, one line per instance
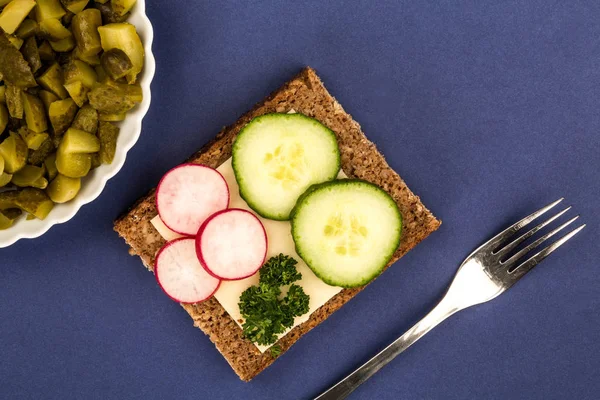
[483, 275]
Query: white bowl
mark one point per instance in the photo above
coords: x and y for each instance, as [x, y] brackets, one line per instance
[94, 183]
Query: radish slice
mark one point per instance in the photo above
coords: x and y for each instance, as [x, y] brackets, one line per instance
[232, 244]
[180, 274]
[188, 194]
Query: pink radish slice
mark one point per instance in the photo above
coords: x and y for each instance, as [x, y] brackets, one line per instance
[188, 194]
[232, 244]
[180, 274]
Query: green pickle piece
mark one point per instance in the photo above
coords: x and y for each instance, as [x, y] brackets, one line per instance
[85, 30]
[124, 36]
[46, 52]
[8, 200]
[108, 134]
[31, 53]
[47, 98]
[5, 222]
[14, 13]
[38, 156]
[116, 63]
[2, 92]
[79, 71]
[14, 152]
[73, 165]
[14, 101]
[75, 6]
[27, 29]
[96, 162]
[86, 120]
[108, 14]
[53, 29]
[35, 202]
[1, 165]
[50, 164]
[13, 67]
[61, 114]
[48, 9]
[27, 176]
[89, 59]
[52, 80]
[3, 117]
[112, 117]
[5, 179]
[122, 7]
[35, 113]
[77, 141]
[32, 139]
[115, 98]
[63, 45]
[78, 92]
[63, 188]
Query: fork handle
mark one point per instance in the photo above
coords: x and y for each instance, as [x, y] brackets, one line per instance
[342, 389]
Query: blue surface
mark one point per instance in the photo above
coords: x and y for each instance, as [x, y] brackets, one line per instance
[487, 109]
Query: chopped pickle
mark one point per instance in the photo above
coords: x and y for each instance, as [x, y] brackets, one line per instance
[108, 14]
[12, 213]
[5, 222]
[14, 101]
[108, 134]
[16, 42]
[111, 117]
[53, 29]
[2, 91]
[96, 162]
[116, 63]
[63, 45]
[3, 118]
[27, 29]
[61, 114]
[8, 200]
[52, 80]
[35, 114]
[115, 98]
[91, 60]
[31, 53]
[14, 152]
[27, 176]
[63, 188]
[78, 70]
[35, 202]
[14, 13]
[102, 75]
[101, 1]
[47, 98]
[38, 156]
[67, 18]
[73, 165]
[75, 6]
[86, 120]
[1, 165]
[48, 9]
[78, 92]
[4, 2]
[76, 141]
[13, 67]
[85, 28]
[122, 7]
[5, 179]
[32, 139]
[123, 36]
[50, 164]
[46, 52]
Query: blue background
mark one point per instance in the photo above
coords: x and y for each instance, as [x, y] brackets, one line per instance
[488, 110]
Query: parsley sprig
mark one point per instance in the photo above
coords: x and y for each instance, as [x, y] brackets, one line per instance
[266, 312]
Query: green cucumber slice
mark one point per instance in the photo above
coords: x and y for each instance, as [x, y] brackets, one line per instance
[346, 231]
[276, 157]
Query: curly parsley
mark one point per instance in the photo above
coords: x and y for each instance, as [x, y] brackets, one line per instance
[266, 312]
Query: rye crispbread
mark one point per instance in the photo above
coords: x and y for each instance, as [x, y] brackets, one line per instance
[305, 94]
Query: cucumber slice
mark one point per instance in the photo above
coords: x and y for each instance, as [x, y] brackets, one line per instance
[346, 231]
[276, 157]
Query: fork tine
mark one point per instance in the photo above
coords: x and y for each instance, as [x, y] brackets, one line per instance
[529, 233]
[538, 257]
[512, 260]
[511, 230]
